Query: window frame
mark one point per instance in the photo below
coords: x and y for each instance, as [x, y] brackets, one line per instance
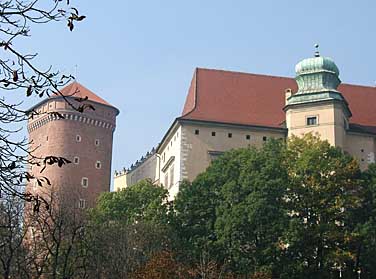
[96, 165]
[311, 117]
[85, 185]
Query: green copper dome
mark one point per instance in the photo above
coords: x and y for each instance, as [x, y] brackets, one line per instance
[316, 64]
[318, 79]
[317, 74]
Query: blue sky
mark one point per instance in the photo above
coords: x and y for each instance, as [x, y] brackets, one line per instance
[140, 55]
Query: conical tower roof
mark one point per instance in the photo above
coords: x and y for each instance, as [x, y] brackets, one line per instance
[77, 90]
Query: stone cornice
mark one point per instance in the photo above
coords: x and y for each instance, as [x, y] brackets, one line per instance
[34, 125]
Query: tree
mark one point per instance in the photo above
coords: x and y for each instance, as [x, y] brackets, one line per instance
[126, 229]
[300, 209]
[56, 238]
[21, 76]
[13, 260]
[324, 188]
[233, 210]
[143, 202]
[365, 227]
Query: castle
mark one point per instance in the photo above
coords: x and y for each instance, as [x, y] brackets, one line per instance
[226, 110]
[84, 138]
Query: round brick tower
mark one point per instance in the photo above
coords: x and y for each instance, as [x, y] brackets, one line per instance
[84, 138]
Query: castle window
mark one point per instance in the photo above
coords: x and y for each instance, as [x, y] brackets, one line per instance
[213, 134]
[82, 203]
[85, 182]
[171, 176]
[248, 137]
[230, 135]
[264, 138]
[197, 132]
[311, 120]
[166, 180]
[76, 160]
[96, 142]
[78, 138]
[46, 138]
[98, 164]
[361, 150]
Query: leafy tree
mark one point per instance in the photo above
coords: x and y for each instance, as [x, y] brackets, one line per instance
[299, 209]
[126, 229]
[143, 202]
[365, 231]
[233, 210]
[251, 217]
[324, 187]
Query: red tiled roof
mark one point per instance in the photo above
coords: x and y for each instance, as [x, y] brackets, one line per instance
[252, 99]
[77, 90]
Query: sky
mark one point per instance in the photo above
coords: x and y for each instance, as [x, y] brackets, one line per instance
[140, 55]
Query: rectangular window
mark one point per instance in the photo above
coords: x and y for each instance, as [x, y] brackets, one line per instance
[171, 176]
[97, 142]
[197, 132]
[76, 160]
[230, 135]
[312, 120]
[82, 203]
[166, 180]
[264, 138]
[78, 138]
[248, 137]
[85, 182]
[213, 134]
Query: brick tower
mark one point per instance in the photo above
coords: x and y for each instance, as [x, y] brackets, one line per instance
[83, 138]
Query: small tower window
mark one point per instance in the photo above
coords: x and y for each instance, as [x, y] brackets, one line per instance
[85, 182]
[46, 138]
[76, 160]
[264, 138]
[311, 120]
[213, 134]
[78, 138]
[96, 142]
[197, 132]
[98, 164]
[248, 137]
[230, 135]
[82, 203]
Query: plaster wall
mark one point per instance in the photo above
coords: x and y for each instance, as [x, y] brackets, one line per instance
[362, 147]
[148, 169]
[170, 160]
[198, 150]
[330, 122]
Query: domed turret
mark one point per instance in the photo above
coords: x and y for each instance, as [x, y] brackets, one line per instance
[317, 74]
[318, 79]
[317, 106]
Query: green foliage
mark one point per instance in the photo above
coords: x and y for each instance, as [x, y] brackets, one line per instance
[228, 210]
[299, 209]
[324, 188]
[143, 202]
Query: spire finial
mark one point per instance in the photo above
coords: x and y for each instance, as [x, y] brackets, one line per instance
[317, 53]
